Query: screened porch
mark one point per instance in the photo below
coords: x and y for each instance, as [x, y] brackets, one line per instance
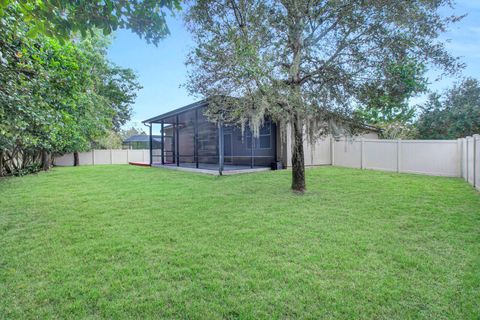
[189, 140]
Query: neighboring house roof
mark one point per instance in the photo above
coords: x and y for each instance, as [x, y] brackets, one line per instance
[142, 138]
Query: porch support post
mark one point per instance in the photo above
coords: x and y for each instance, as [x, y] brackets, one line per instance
[252, 155]
[177, 141]
[273, 127]
[174, 157]
[220, 148]
[195, 139]
[163, 142]
[151, 144]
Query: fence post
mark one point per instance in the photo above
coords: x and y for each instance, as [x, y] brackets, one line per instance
[128, 155]
[362, 153]
[464, 157]
[475, 138]
[460, 157]
[93, 157]
[111, 156]
[399, 155]
[467, 156]
[332, 150]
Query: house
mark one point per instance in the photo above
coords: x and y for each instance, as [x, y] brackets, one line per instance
[141, 141]
[191, 141]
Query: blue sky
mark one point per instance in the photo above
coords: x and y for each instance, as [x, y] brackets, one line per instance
[162, 71]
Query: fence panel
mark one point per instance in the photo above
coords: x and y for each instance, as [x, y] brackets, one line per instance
[85, 158]
[347, 153]
[119, 156]
[101, 157]
[464, 163]
[64, 161]
[433, 157]
[470, 160]
[318, 153]
[380, 155]
[96, 157]
[136, 156]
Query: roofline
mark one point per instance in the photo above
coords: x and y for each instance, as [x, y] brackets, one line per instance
[174, 112]
[127, 141]
[204, 102]
[155, 136]
[372, 127]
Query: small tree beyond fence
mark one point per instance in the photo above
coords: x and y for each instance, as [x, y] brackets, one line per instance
[450, 158]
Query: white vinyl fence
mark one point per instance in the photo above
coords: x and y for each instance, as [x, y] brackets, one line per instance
[470, 162]
[112, 156]
[451, 158]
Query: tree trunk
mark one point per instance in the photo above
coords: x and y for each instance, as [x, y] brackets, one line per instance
[298, 158]
[2, 170]
[45, 160]
[76, 160]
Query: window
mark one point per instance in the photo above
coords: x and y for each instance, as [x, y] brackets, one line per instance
[264, 142]
[266, 128]
[265, 135]
[203, 142]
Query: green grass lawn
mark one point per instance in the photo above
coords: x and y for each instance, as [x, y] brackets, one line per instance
[133, 242]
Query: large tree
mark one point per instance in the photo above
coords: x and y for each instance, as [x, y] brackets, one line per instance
[56, 97]
[385, 102]
[304, 62]
[453, 115]
[61, 19]
[60, 94]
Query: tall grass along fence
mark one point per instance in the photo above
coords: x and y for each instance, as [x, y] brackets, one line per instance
[451, 158]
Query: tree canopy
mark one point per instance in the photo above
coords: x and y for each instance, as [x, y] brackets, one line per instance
[61, 19]
[56, 97]
[453, 115]
[385, 103]
[306, 63]
[58, 93]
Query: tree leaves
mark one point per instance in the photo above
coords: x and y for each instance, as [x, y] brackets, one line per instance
[59, 97]
[385, 101]
[62, 19]
[454, 115]
[319, 59]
